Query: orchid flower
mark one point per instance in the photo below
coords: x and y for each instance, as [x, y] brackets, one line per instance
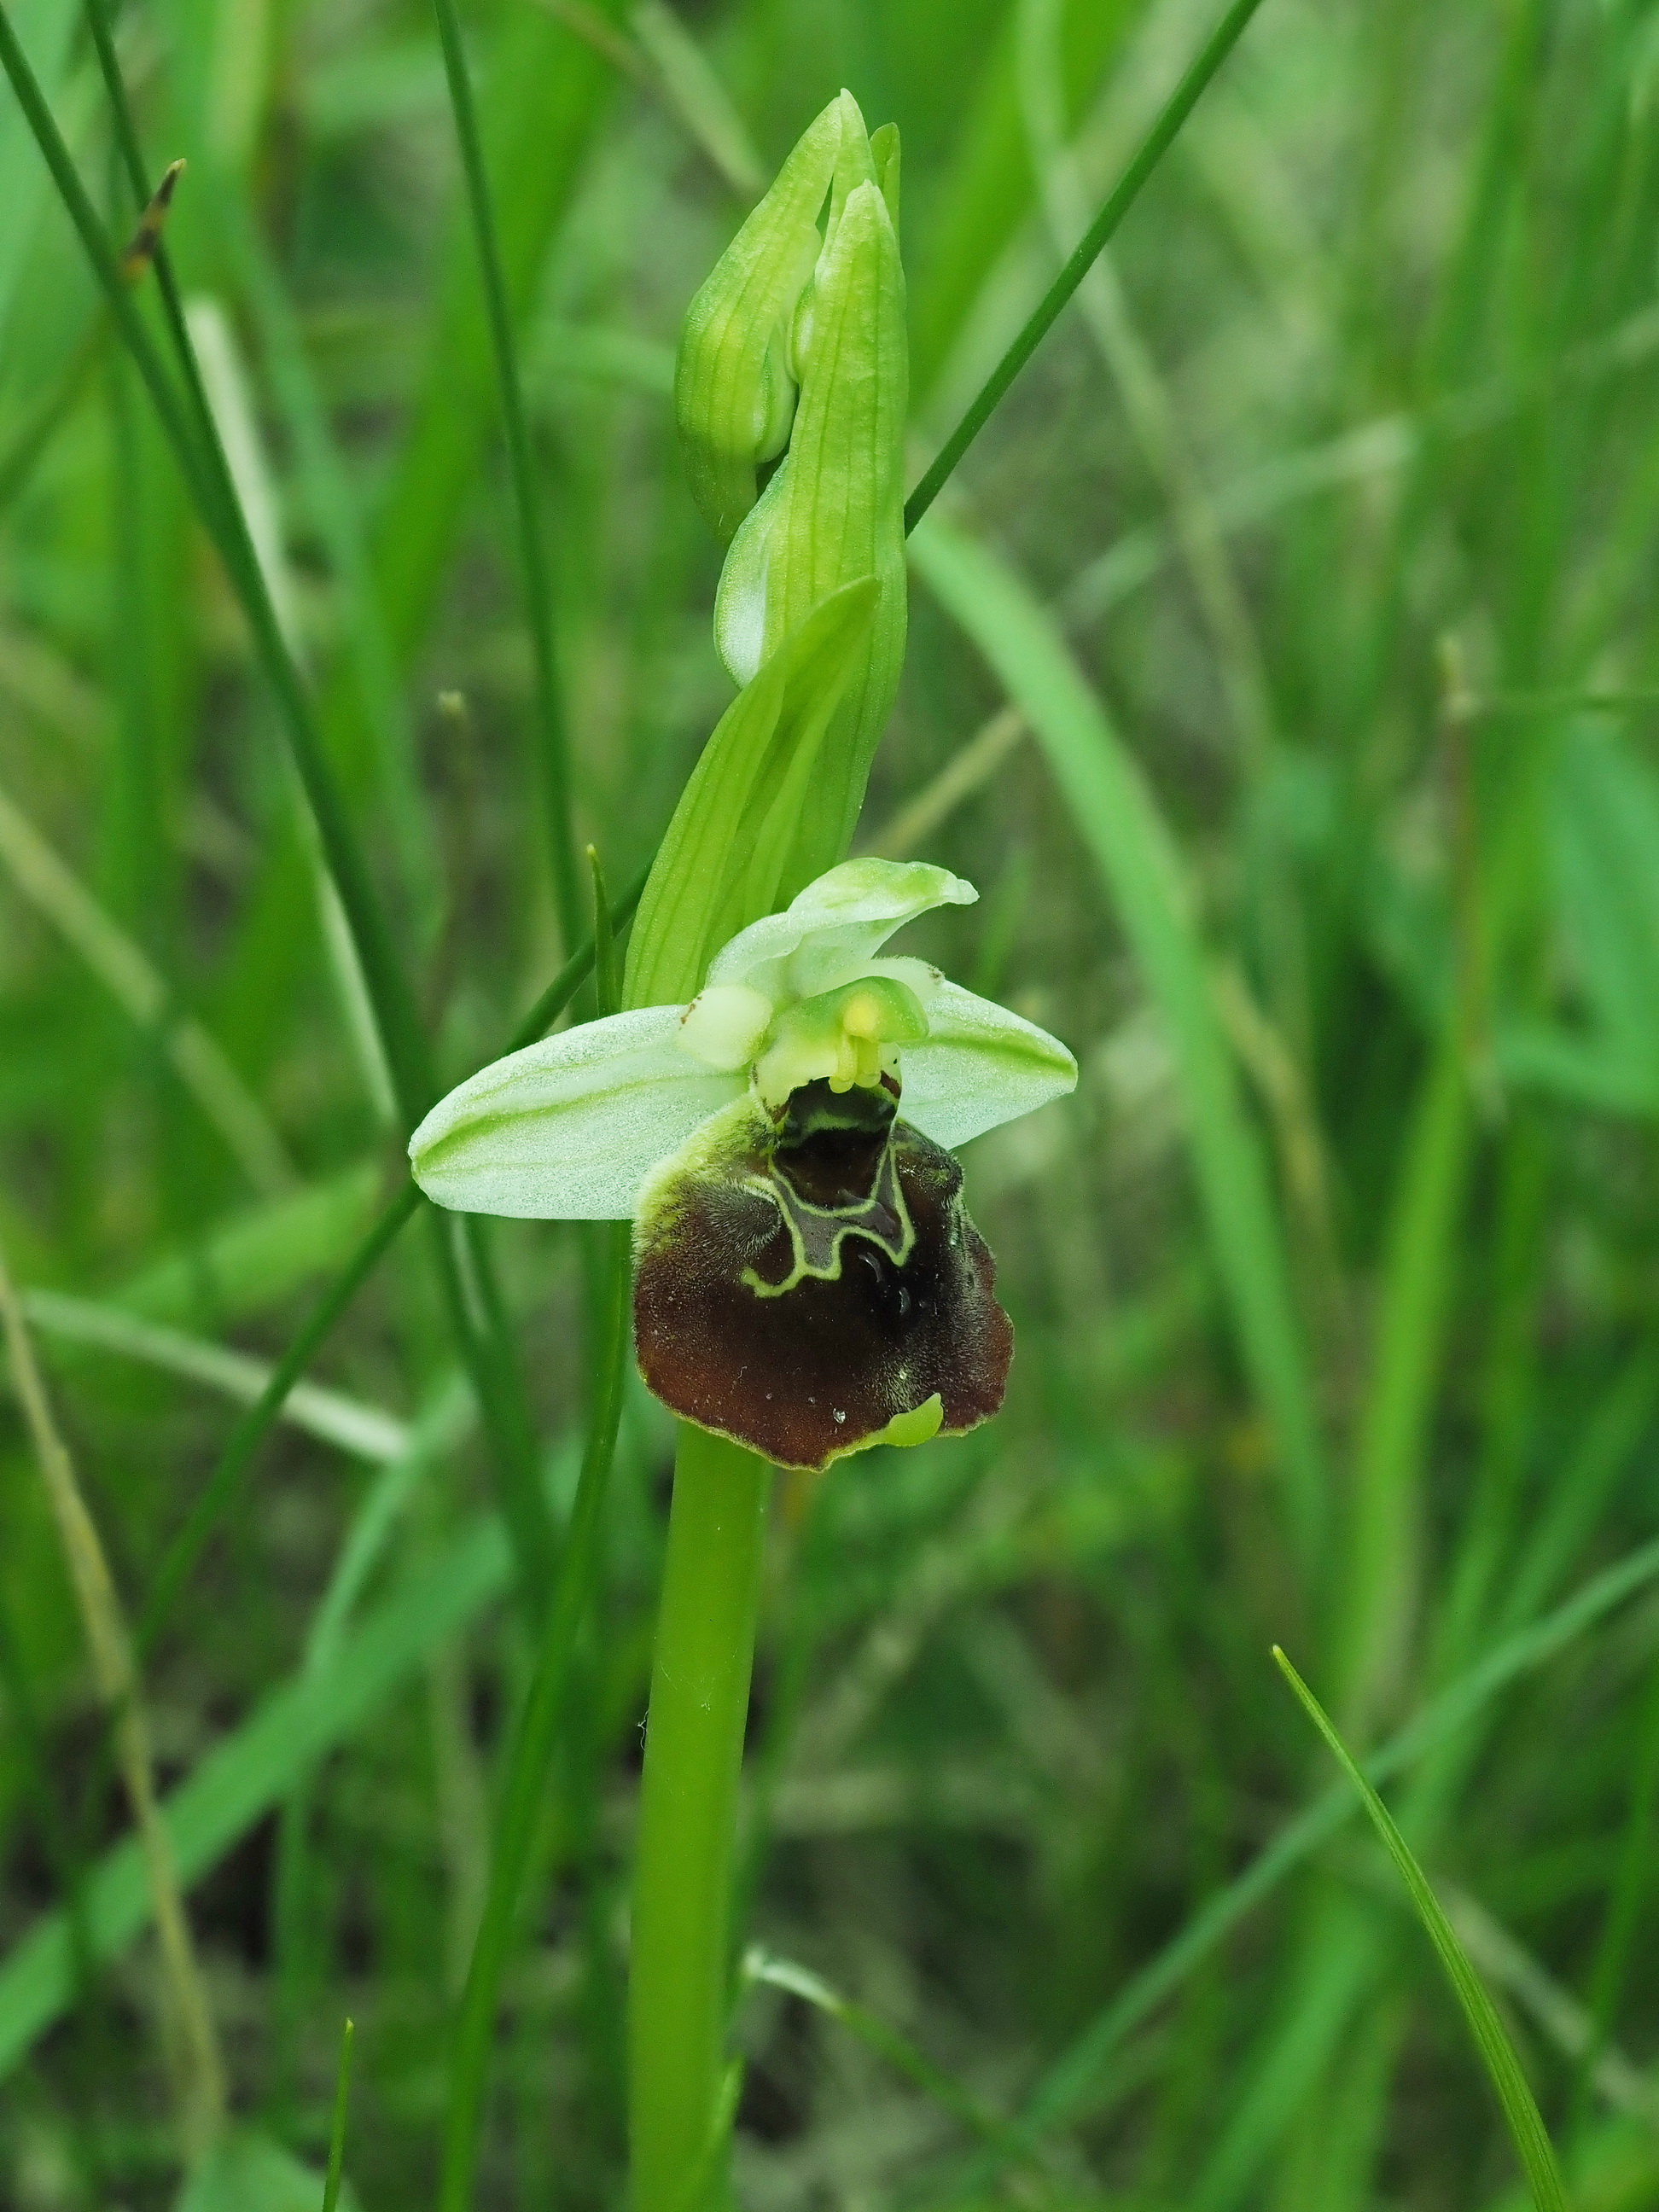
[808, 1279]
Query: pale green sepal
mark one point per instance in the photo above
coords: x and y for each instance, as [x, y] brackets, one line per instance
[834, 510]
[721, 860]
[833, 930]
[979, 1066]
[734, 388]
[569, 1128]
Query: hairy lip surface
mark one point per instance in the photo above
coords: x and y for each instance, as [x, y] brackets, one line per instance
[797, 1291]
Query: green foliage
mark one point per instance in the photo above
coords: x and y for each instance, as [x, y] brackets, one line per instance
[1496, 2052]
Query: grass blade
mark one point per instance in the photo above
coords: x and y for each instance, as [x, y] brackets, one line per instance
[1070, 2088]
[1117, 817]
[532, 556]
[215, 1496]
[364, 1430]
[130, 976]
[197, 2065]
[1151, 150]
[532, 1750]
[1519, 2108]
[759, 1966]
[253, 1768]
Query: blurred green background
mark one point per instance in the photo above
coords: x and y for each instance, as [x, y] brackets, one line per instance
[1283, 672]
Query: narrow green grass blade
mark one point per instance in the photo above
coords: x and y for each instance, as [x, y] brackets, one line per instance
[537, 109]
[697, 97]
[142, 184]
[1070, 2087]
[337, 2132]
[220, 1488]
[46, 29]
[1519, 2108]
[759, 1966]
[352, 1425]
[532, 556]
[1374, 1616]
[252, 1770]
[1151, 151]
[330, 494]
[1117, 817]
[195, 446]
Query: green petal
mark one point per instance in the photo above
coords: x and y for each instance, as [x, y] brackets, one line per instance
[831, 932]
[979, 1067]
[569, 1128]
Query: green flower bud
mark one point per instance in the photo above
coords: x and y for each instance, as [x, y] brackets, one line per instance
[734, 385]
[834, 510]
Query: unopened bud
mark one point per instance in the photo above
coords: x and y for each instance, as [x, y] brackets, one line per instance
[834, 509]
[734, 385]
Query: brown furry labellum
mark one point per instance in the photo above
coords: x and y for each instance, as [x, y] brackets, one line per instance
[809, 1282]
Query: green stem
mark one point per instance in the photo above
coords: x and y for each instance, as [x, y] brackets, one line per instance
[678, 1999]
[533, 558]
[337, 2132]
[132, 159]
[1151, 150]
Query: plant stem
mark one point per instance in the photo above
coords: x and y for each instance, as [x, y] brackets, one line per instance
[688, 1803]
[532, 557]
[132, 159]
[1152, 148]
